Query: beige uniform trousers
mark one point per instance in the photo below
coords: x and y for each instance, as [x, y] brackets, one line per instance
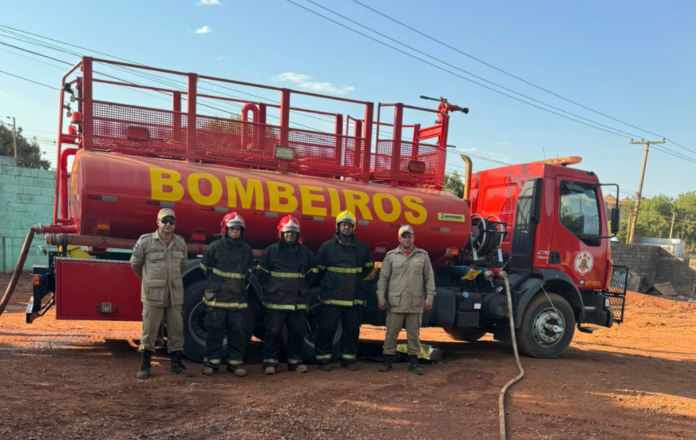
[395, 321]
[152, 318]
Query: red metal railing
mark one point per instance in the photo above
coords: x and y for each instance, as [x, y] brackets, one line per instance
[185, 132]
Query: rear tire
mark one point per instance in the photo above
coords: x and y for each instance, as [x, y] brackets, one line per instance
[309, 354]
[465, 334]
[545, 333]
[195, 332]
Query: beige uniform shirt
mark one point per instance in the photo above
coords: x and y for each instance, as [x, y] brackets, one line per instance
[409, 280]
[160, 268]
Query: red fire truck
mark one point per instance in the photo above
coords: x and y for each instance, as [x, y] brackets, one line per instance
[545, 224]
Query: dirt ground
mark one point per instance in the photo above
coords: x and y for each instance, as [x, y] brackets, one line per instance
[75, 380]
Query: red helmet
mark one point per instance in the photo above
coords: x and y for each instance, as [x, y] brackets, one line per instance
[288, 224]
[230, 220]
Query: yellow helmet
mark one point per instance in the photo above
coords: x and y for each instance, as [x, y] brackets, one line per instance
[346, 216]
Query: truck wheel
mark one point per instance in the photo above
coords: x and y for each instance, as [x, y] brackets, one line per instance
[195, 332]
[465, 334]
[308, 348]
[546, 329]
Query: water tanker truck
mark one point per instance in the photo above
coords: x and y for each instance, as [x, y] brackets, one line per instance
[543, 223]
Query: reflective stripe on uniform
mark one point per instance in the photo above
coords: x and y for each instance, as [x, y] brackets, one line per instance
[336, 302]
[228, 274]
[344, 269]
[321, 267]
[270, 361]
[225, 305]
[287, 274]
[348, 356]
[313, 270]
[212, 361]
[359, 302]
[258, 266]
[321, 357]
[233, 362]
[302, 307]
[294, 361]
[370, 264]
[202, 267]
[280, 306]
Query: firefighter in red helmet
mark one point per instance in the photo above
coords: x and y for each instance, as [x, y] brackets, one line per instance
[227, 264]
[285, 272]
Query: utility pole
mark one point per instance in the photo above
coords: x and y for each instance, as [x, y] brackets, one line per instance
[636, 207]
[671, 228]
[14, 135]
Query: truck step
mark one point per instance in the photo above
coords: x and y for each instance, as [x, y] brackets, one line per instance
[587, 329]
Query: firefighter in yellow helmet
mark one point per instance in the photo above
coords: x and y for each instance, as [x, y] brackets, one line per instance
[344, 261]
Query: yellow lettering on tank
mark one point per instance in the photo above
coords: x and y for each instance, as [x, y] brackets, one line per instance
[335, 201]
[381, 212]
[308, 198]
[194, 187]
[253, 191]
[161, 178]
[359, 200]
[414, 203]
[277, 192]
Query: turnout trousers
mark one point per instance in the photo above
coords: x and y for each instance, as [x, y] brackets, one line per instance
[274, 321]
[329, 315]
[220, 323]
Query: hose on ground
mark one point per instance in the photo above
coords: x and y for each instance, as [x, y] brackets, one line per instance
[501, 399]
[18, 269]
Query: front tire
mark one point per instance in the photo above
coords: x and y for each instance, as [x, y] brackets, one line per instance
[547, 327]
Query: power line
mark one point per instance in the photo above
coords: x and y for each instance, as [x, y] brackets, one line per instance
[515, 76]
[29, 80]
[456, 74]
[469, 73]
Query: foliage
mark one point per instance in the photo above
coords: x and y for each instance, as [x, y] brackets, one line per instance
[453, 184]
[29, 154]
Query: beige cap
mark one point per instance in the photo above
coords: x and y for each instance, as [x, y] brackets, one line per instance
[404, 229]
[165, 212]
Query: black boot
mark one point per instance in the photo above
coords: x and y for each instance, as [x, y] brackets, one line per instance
[386, 363]
[177, 366]
[144, 371]
[413, 366]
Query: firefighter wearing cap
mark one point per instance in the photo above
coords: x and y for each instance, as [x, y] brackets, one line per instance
[159, 259]
[285, 272]
[408, 277]
[344, 261]
[227, 264]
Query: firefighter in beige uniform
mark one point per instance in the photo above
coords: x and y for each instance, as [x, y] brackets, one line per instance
[408, 277]
[159, 259]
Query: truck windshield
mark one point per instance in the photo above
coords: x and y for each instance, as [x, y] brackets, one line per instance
[579, 209]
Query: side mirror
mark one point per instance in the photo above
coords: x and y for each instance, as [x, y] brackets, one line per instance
[615, 215]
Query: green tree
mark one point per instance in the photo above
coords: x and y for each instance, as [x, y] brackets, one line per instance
[453, 184]
[685, 207]
[29, 154]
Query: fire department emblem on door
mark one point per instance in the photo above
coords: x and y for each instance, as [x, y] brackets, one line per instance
[583, 262]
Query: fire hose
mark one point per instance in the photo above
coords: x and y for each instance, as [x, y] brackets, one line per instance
[501, 399]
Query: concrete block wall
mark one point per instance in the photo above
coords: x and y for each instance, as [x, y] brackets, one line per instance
[652, 264]
[26, 198]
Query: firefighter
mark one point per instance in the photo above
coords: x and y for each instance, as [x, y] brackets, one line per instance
[159, 259]
[408, 276]
[343, 261]
[285, 272]
[227, 264]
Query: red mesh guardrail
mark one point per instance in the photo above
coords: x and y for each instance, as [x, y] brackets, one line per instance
[433, 156]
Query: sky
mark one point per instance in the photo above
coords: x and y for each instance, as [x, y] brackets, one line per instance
[632, 61]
